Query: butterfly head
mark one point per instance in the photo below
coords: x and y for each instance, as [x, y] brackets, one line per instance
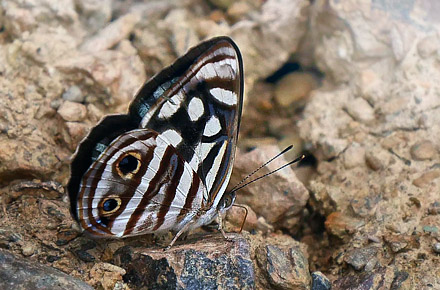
[226, 202]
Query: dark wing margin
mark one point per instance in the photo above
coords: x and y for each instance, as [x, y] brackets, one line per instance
[108, 129]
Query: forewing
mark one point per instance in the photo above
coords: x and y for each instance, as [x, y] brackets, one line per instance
[196, 104]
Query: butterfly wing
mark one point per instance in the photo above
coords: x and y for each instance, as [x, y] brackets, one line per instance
[193, 109]
[196, 103]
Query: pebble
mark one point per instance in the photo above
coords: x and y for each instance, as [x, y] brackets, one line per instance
[360, 110]
[73, 112]
[285, 269]
[28, 249]
[358, 258]
[84, 256]
[320, 281]
[436, 248]
[374, 162]
[293, 88]
[354, 156]
[423, 150]
[73, 94]
[65, 236]
[341, 225]
[426, 178]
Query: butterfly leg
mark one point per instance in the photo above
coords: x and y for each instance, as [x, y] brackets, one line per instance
[220, 227]
[179, 233]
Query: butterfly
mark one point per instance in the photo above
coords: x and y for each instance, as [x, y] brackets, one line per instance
[165, 165]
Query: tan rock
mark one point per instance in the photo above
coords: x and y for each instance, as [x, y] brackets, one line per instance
[423, 150]
[73, 112]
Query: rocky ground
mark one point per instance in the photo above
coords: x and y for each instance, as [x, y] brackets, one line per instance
[354, 84]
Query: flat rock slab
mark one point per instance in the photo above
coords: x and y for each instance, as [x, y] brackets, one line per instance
[207, 262]
[18, 273]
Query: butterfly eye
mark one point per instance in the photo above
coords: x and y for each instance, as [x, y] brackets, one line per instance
[110, 205]
[129, 164]
[228, 201]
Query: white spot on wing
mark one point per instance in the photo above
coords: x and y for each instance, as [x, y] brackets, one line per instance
[172, 136]
[195, 109]
[170, 107]
[212, 127]
[224, 96]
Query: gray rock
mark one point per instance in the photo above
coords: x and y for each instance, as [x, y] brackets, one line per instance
[73, 94]
[382, 278]
[17, 273]
[203, 263]
[285, 269]
[320, 282]
[358, 258]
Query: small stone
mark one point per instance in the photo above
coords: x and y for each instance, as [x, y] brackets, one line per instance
[320, 281]
[430, 229]
[294, 88]
[64, 236]
[51, 258]
[73, 112]
[360, 110]
[436, 248]
[55, 104]
[341, 225]
[374, 162]
[434, 208]
[84, 256]
[28, 249]
[423, 150]
[397, 243]
[354, 156]
[73, 94]
[426, 178]
[358, 258]
[105, 275]
[285, 270]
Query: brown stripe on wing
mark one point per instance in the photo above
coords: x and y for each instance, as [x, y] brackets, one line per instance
[156, 183]
[170, 194]
[195, 184]
[134, 184]
[109, 153]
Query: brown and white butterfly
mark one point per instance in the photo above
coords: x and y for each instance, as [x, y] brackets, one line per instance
[166, 164]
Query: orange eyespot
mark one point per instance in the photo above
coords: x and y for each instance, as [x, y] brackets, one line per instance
[110, 205]
[128, 164]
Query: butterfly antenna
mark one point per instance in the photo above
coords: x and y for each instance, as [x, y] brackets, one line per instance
[259, 168]
[267, 174]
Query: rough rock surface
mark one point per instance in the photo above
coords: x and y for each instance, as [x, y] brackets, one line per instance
[19, 273]
[374, 128]
[363, 103]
